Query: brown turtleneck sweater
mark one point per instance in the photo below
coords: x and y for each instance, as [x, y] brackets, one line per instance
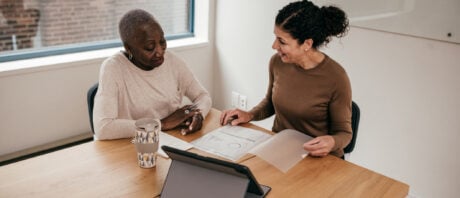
[316, 101]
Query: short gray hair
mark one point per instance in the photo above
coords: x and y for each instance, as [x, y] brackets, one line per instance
[132, 20]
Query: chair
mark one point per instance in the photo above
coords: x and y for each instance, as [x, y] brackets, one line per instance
[90, 99]
[355, 112]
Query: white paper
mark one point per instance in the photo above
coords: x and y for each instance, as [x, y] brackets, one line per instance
[284, 149]
[230, 142]
[169, 140]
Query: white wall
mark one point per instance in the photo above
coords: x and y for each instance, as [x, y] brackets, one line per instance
[408, 90]
[44, 105]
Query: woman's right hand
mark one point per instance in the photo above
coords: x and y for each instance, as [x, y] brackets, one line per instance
[235, 117]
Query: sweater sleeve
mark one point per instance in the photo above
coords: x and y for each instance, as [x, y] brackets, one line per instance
[192, 88]
[265, 107]
[340, 112]
[106, 123]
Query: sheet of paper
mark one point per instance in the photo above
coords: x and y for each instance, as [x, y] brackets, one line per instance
[169, 140]
[230, 142]
[284, 149]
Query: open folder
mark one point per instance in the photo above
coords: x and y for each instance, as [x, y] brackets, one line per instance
[193, 175]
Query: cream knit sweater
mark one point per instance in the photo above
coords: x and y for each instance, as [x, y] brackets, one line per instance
[127, 93]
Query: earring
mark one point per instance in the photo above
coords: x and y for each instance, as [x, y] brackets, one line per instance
[130, 56]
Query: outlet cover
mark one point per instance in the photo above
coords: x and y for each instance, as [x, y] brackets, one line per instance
[243, 102]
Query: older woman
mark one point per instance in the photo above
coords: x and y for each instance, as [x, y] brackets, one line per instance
[145, 80]
[308, 91]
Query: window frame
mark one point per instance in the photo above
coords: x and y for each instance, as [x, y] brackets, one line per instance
[83, 47]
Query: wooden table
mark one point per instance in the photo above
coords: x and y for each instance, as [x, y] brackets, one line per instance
[325, 177]
[110, 169]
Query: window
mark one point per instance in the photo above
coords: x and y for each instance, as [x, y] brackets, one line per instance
[35, 28]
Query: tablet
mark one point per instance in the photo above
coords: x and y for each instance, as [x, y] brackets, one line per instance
[191, 173]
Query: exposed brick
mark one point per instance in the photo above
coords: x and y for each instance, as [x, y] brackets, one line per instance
[68, 22]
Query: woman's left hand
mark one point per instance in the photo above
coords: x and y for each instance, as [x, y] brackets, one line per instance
[179, 117]
[319, 146]
[193, 124]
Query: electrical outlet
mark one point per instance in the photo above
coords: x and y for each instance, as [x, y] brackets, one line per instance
[243, 102]
[235, 99]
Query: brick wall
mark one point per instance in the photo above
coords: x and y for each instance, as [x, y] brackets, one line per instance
[18, 24]
[63, 22]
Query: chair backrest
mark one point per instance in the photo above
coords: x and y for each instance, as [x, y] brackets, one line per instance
[90, 99]
[355, 112]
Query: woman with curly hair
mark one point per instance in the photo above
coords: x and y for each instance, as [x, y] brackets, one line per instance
[308, 91]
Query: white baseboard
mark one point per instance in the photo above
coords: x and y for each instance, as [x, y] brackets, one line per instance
[45, 146]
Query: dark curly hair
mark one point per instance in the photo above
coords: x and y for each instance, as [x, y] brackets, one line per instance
[132, 20]
[304, 20]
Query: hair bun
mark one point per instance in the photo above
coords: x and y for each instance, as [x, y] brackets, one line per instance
[335, 21]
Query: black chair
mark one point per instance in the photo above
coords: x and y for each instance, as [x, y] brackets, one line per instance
[355, 112]
[90, 99]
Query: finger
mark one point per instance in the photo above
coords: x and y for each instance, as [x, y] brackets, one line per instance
[184, 131]
[234, 121]
[226, 117]
[315, 153]
[312, 142]
[319, 153]
[222, 116]
[311, 148]
[183, 124]
[199, 122]
[233, 118]
[187, 121]
[193, 123]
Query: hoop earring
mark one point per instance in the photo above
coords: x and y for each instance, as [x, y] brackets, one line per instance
[130, 56]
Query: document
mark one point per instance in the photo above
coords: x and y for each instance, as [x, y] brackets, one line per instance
[288, 145]
[169, 140]
[230, 142]
[282, 150]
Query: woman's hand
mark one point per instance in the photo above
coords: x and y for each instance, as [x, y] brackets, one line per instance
[193, 124]
[179, 116]
[235, 117]
[319, 146]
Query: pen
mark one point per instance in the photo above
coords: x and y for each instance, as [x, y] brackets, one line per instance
[229, 121]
